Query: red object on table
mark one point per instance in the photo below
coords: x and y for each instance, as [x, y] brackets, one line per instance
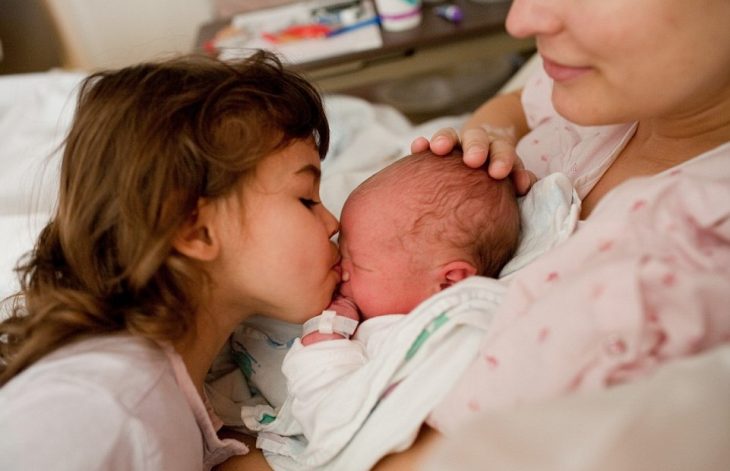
[296, 32]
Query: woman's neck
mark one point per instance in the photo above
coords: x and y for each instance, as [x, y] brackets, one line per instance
[660, 144]
[674, 139]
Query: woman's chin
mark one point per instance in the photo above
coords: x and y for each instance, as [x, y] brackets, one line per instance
[586, 109]
[580, 114]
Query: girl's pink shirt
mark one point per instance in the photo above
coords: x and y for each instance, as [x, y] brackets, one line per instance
[116, 402]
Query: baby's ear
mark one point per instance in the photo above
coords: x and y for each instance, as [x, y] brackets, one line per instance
[196, 237]
[455, 271]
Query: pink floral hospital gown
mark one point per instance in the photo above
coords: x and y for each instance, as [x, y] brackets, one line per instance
[644, 281]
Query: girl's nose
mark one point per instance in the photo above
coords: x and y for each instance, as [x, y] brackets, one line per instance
[330, 222]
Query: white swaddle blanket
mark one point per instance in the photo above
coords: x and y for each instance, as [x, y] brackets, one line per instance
[356, 436]
[376, 405]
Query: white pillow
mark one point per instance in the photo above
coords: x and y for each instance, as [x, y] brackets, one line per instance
[35, 113]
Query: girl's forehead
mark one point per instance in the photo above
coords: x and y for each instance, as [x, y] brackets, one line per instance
[298, 160]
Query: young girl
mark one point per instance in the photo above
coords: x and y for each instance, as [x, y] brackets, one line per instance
[189, 200]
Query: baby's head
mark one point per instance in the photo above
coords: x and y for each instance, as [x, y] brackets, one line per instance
[421, 225]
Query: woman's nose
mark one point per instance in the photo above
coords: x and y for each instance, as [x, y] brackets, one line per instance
[533, 17]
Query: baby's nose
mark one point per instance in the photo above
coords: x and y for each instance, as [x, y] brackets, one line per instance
[345, 267]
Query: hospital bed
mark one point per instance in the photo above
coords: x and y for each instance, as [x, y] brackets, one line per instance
[35, 112]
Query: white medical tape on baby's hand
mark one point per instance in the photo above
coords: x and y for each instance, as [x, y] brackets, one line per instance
[330, 323]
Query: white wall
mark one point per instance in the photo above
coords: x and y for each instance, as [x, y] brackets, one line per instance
[113, 33]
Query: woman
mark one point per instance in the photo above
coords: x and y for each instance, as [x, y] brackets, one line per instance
[649, 85]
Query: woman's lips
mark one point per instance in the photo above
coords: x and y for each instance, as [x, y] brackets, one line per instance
[560, 72]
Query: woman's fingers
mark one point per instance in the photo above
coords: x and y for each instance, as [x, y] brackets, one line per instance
[475, 143]
[531, 179]
[503, 161]
[441, 143]
[444, 141]
[419, 144]
[479, 145]
[502, 158]
[522, 178]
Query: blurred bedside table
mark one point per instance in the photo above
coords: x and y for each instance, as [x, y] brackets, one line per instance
[437, 57]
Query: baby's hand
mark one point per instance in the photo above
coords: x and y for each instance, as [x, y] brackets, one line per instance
[479, 144]
[344, 307]
[316, 337]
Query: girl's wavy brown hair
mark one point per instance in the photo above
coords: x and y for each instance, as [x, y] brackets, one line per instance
[147, 142]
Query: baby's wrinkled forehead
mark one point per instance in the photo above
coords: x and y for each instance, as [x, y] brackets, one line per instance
[392, 180]
[397, 193]
[377, 208]
[367, 203]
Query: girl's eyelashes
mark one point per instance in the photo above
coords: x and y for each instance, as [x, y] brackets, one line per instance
[308, 203]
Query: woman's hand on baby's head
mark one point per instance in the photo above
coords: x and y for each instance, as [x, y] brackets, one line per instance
[479, 144]
[441, 143]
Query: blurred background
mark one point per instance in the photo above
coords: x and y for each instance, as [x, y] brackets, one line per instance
[422, 82]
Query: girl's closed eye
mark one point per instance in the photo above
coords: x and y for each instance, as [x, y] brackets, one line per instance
[309, 203]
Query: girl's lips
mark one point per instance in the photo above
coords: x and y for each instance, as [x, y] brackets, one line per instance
[561, 73]
[337, 267]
